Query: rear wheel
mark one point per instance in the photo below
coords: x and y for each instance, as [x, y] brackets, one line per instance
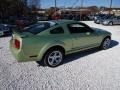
[106, 43]
[53, 57]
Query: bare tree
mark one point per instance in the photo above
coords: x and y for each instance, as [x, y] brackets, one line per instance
[12, 7]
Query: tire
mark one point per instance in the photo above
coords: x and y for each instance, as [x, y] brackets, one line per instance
[105, 43]
[54, 57]
[110, 23]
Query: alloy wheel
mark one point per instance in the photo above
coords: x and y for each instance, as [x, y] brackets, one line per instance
[55, 58]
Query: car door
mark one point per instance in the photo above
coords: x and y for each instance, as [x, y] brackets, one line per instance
[83, 36]
[59, 36]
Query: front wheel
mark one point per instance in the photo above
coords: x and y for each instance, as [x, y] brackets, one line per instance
[106, 43]
[53, 57]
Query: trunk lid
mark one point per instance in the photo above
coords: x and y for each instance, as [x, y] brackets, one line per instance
[17, 38]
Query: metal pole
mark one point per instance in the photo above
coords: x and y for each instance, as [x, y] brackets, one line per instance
[110, 6]
[40, 4]
[81, 9]
[55, 8]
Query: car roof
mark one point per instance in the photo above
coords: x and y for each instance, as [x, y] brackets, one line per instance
[59, 22]
[63, 21]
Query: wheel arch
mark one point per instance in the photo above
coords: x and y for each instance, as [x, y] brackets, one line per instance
[45, 49]
[108, 36]
[54, 47]
[58, 47]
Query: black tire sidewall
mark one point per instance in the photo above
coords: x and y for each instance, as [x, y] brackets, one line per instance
[47, 55]
[101, 46]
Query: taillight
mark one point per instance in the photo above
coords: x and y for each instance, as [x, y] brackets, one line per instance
[17, 44]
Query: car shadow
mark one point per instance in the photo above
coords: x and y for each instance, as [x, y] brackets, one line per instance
[113, 43]
[76, 56]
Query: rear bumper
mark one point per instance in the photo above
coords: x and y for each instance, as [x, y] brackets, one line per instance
[19, 54]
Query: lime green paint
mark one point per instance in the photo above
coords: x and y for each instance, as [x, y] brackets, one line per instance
[37, 45]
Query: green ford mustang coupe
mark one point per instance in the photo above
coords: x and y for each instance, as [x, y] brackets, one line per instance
[50, 41]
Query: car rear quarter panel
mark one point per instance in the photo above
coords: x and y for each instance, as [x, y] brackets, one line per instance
[39, 44]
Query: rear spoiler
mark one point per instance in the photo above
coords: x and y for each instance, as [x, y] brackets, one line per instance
[19, 33]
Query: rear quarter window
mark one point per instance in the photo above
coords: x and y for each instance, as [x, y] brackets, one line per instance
[38, 27]
[58, 30]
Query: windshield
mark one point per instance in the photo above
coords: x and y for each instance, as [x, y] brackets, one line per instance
[39, 27]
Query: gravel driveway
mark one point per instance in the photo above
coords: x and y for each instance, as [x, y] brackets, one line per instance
[91, 70]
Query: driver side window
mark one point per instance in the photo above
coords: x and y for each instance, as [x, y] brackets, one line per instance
[77, 28]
